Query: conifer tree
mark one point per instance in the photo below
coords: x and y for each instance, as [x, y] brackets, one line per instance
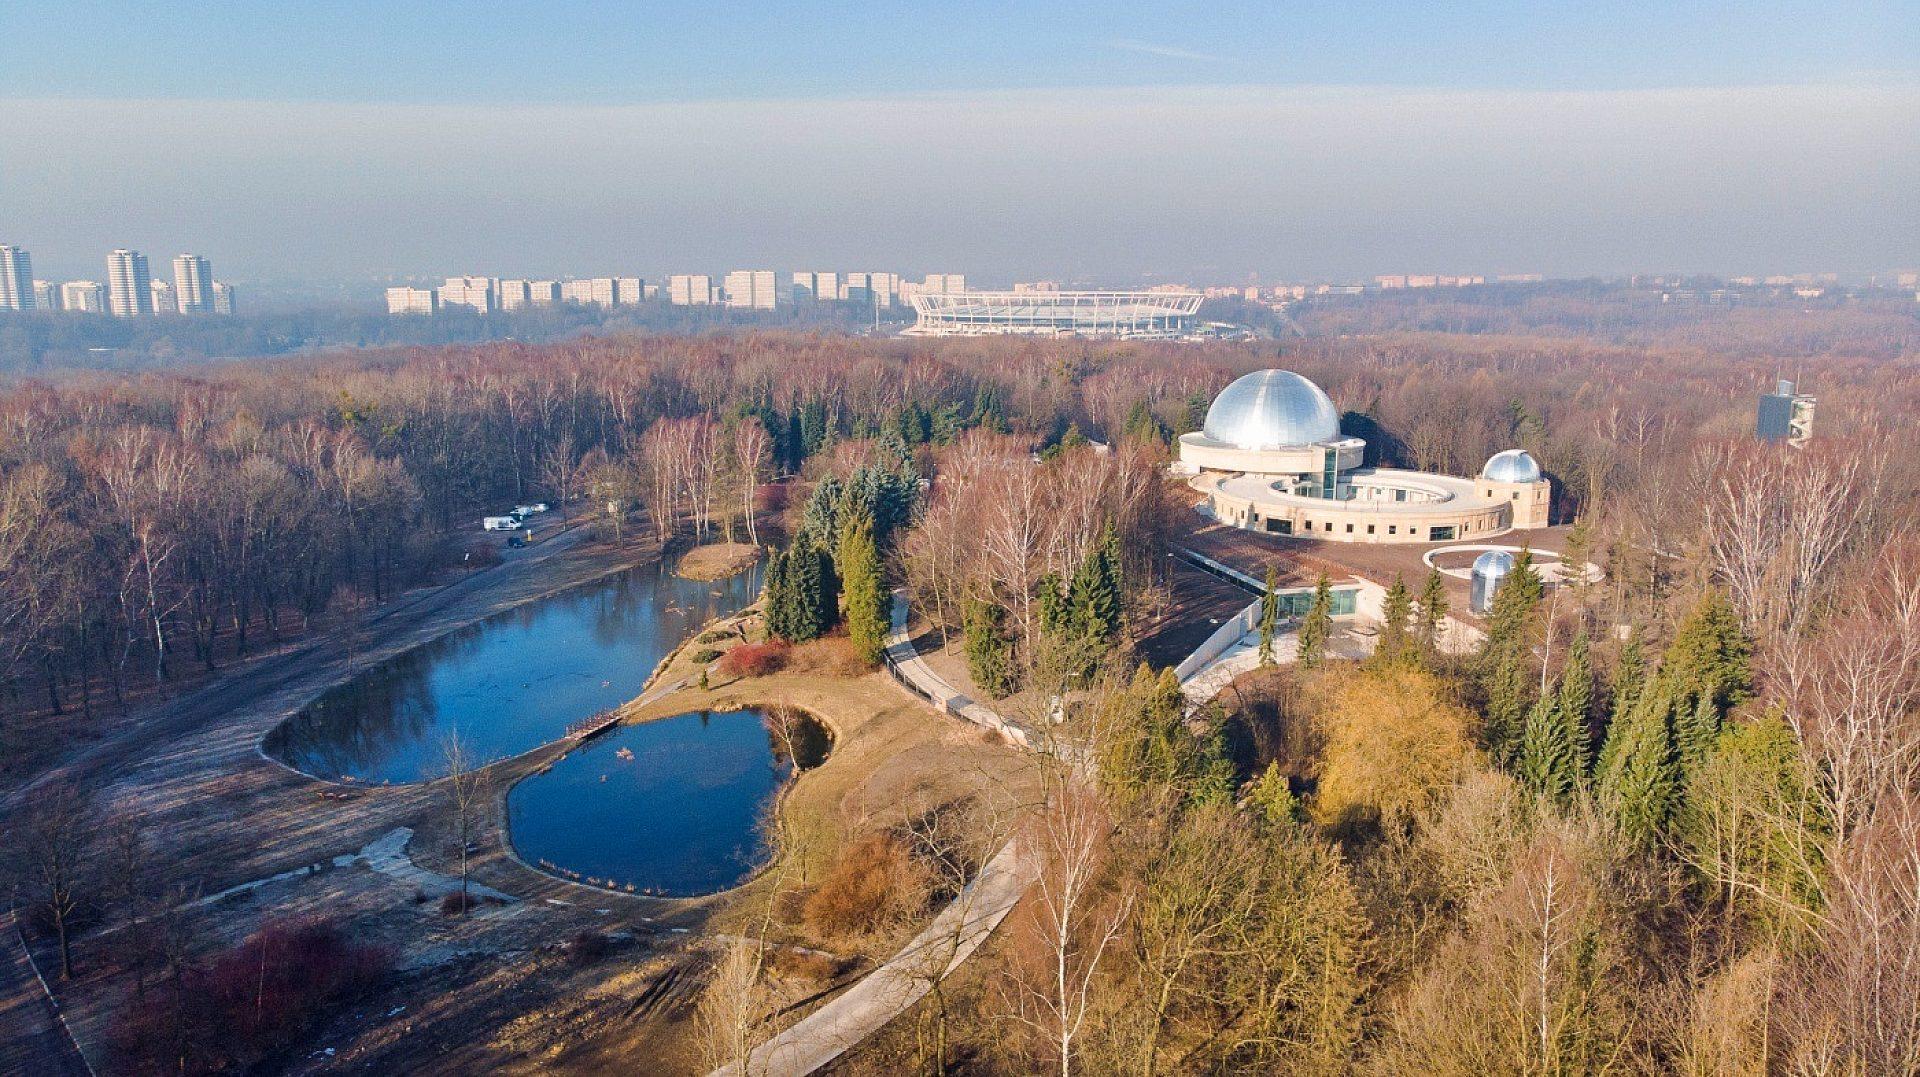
[778, 595]
[1575, 702]
[1269, 615]
[1549, 761]
[1710, 653]
[1509, 695]
[1056, 609]
[1433, 611]
[989, 652]
[1695, 729]
[1641, 783]
[1317, 625]
[1272, 799]
[814, 590]
[1395, 628]
[865, 590]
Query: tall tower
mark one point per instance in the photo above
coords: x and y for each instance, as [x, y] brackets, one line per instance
[192, 284]
[129, 285]
[16, 279]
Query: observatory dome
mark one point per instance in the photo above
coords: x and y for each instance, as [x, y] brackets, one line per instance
[1271, 409]
[1513, 465]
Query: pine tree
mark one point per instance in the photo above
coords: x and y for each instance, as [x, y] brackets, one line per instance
[865, 590]
[1433, 611]
[1395, 624]
[814, 590]
[989, 652]
[1695, 729]
[1509, 695]
[1629, 681]
[1269, 615]
[1710, 653]
[821, 518]
[777, 596]
[1641, 784]
[1272, 799]
[1318, 624]
[1056, 610]
[1549, 760]
[1578, 552]
[1575, 701]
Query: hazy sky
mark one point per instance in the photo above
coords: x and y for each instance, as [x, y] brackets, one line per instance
[1113, 141]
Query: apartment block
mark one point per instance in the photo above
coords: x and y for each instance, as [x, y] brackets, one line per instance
[412, 301]
[690, 289]
[83, 296]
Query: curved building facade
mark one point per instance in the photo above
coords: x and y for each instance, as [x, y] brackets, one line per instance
[1109, 315]
[1270, 457]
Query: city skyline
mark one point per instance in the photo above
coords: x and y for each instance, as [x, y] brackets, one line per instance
[1240, 141]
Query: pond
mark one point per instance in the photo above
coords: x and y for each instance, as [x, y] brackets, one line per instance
[509, 683]
[671, 807]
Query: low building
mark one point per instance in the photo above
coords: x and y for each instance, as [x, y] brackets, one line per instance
[1271, 458]
[1785, 415]
[1109, 315]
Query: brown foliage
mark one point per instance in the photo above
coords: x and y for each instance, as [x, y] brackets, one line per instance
[755, 659]
[875, 878]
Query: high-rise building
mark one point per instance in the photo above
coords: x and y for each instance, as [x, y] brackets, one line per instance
[192, 284]
[474, 293]
[412, 301]
[944, 284]
[222, 297]
[821, 285]
[751, 289]
[514, 294]
[630, 291]
[1785, 415]
[16, 278]
[689, 289]
[84, 297]
[543, 293]
[163, 300]
[129, 285]
[45, 295]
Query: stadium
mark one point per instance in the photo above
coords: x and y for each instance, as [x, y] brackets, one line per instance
[1108, 315]
[1271, 458]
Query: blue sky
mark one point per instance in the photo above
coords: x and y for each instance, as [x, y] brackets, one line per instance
[1299, 140]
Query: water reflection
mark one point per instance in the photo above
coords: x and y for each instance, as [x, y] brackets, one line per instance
[509, 683]
[667, 807]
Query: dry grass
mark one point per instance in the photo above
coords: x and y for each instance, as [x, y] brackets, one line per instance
[716, 561]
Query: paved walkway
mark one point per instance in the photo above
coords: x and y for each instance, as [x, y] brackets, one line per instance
[866, 1007]
[387, 855]
[910, 669]
[33, 1039]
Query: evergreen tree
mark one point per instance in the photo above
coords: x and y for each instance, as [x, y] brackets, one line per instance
[821, 518]
[815, 590]
[1710, 653]
[1695, 729]
[1433, 611]
[1272, 799]
[865, 590]
[1578, 552]
[1318, 624]
[1141, 425]
[1509, 695]
[1549, 760]
[989, 652]
[1640, 785]
[1095, 592]
[778, 596]
[1056, 610]
[1396, 615]
[1575, 701]
[1269, 615]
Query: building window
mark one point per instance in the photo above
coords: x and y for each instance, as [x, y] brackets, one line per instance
[1393, 529]
[1349, 529]
[1369, 529]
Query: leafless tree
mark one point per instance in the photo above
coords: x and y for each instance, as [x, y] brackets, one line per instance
[465, 784]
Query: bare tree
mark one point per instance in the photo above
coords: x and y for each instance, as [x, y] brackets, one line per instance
[54, 845]
[464, 781]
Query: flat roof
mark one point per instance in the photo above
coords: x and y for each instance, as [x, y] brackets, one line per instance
[1452, 492]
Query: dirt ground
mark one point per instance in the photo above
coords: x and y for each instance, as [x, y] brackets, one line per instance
[716, 561]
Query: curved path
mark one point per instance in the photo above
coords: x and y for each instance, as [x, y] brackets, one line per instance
[955, 933]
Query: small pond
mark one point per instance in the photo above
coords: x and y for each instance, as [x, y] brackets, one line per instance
[672, 806]
[508, 684]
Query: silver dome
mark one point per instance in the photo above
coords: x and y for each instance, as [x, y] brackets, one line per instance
[1269, 409]
[1513, 465]
[1494, 564]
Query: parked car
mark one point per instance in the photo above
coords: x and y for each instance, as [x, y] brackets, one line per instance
[500, 523]
[534, 509]
[517, 540]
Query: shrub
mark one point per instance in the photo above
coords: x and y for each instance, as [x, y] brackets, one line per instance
[456, 903]
[240, 1007]
[706, 654]
[834, 656]
[875, 876]
[712, 635]
[810, 966]
[587, 947]
[481, 555]
[755, 659]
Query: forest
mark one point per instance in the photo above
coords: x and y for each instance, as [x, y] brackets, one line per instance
[1665, 822]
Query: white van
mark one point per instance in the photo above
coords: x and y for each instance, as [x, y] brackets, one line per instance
[500, 523]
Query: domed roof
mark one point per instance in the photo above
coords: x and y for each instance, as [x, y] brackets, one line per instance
[1494, 564]
[1268, 409]
[1513, 465]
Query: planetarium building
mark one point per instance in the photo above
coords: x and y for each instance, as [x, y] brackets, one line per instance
[1271, 458]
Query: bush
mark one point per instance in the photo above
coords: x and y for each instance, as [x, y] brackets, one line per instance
[834, 656]
[456, 903]
[706, 654]
[240, 1007]
[875, 877]
[481, 555]
[755, 659]
[588, 946]
[712, 635]
[810, 966]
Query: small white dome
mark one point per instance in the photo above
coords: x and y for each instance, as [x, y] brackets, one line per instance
[1271, 409]
[1513, 465]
